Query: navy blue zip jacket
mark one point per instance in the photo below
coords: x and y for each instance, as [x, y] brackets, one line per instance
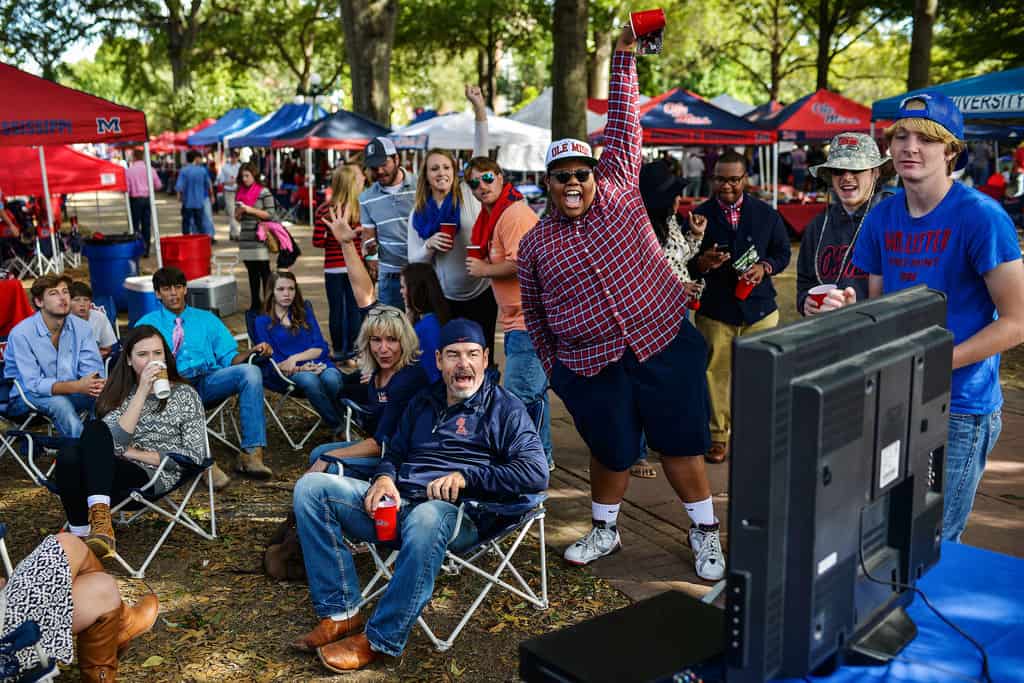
[761, 226]
[489, 438]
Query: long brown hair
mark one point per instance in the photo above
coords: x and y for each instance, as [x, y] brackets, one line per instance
[423, 291]
[122, 379]
[423, 191]
[297, 309]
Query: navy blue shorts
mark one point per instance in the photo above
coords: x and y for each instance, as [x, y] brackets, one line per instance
[665, 398]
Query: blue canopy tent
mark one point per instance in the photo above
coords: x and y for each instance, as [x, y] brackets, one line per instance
[996, 97]
[342, 130]
[232, 122]
[286, 119]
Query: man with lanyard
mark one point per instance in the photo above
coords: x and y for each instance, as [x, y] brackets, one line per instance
[384, 211]
[208, 357]
[952, 238]
[228, 177]
[608, 320]
[138, 196]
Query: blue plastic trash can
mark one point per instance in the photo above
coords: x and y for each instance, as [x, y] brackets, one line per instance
[112, 259]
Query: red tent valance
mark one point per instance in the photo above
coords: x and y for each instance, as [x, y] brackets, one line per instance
[68, 171]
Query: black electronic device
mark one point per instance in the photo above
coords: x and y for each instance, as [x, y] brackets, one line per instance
[839, 428]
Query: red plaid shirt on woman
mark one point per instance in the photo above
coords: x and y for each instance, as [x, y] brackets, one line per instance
[595, 284]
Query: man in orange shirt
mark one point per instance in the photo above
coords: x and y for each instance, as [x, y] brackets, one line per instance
[503, 220]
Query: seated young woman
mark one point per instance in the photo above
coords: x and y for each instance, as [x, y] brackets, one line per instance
[428, 311]
[300, 349]
[62, 587]
[388, 353]
[122, 449]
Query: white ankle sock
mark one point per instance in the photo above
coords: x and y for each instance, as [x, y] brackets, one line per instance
[80, 531]
[342, 616]
[701, 512]
[604, 513]
[93, 500]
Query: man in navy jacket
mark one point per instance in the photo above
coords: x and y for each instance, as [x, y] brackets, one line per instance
[736, 223]
[465, 438]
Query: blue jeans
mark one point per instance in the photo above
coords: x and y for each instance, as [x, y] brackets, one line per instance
[344, 320]
[192, 221]
[322, 393]
[526, 380]
[328, 508]
[246, 381]
[62, 410]
[357, 468]
[971, 439]
[389, 290]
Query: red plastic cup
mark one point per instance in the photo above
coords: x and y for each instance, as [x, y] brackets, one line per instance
[385, 519]
[818, 294]
[449, 229]
[743, 288]
[474, 251]
[647, 21]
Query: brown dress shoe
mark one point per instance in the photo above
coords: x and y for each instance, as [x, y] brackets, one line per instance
[329, 631]
[97, 649]
[137, 620]
[250, 464]
[101, 531]
[717, 453]
[348, 655]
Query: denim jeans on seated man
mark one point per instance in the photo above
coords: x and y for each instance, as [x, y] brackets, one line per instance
[62, 410]
[389, 290]
[246, 381]
[358, 468]
[971, 439]
[526, 380]
[328, 506]
[321, 390]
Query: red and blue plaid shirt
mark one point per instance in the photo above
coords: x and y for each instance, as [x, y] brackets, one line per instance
[593, 285]
[732, 211]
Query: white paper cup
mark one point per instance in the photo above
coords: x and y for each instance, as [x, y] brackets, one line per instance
[162, 385]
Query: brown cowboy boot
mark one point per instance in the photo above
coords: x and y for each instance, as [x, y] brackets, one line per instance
[97, 649]
[101, 531]
[348, 655]
[328, 631]
[90, 565]
[220, 479]
[251, 464]
[136, 620]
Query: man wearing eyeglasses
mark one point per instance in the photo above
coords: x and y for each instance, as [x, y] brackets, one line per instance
[737, 223]
[607, 317]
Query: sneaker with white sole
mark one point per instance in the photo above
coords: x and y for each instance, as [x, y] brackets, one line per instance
[707, 551]
[601, 540]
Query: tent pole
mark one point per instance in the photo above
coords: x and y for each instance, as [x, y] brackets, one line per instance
[309, 183]
[128, 208]
[872, 130]
[57, 260]
[996, 143]
[775, 176]
[152, 206]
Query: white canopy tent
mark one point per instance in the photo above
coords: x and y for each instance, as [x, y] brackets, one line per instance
[521, 147]
[538, 113]
[732, 105]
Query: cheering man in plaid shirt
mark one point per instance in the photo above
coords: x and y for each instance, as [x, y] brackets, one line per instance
[607, 318]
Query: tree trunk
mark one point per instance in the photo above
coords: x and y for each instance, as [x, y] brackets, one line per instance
[600, 64]
[487, 67]
[824, 44]
[569, 70]
[921, 44]
[369, 28]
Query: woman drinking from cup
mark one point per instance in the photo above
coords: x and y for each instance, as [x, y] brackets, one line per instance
[300, 351]
[145, 411]
[826, 277]
[253, 203]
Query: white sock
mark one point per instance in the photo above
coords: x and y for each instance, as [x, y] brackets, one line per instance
[342, 616]
[93, 500]
[80, 531]
[600, 512]
[701, 512]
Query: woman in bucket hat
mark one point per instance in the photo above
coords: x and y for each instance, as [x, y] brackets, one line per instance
[854, 172]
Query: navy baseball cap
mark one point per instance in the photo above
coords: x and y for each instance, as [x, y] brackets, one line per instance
[378, 151]
[938, 108]
[462, 331]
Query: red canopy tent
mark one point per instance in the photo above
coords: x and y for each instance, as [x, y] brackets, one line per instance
[819, 117]
[181, 137]
[69, 171]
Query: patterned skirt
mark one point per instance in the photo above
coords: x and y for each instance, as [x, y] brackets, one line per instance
[39, 590]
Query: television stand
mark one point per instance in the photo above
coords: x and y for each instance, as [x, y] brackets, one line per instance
[883, 641]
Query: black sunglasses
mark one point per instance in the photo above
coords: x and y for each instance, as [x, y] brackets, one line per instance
[562, 177]
[487, 177]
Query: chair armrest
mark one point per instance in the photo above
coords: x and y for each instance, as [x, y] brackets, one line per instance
[3, 531]
[354, 407]
[187, 463]
[277, 368]
[24, 636]
[24, 396]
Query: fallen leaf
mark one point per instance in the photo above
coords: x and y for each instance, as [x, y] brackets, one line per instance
[155, 660]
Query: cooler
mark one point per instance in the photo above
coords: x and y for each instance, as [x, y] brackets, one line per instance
[189, 253]
[140, 297]
[217, 293]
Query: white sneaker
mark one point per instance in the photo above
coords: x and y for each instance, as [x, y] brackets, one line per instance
[598, 542]
[707, 551]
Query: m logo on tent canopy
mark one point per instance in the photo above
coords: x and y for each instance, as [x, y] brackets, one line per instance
[111, 125]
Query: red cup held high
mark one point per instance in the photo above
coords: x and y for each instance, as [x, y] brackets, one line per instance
[385, 519]
[647, 21]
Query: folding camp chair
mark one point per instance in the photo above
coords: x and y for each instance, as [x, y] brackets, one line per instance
[521, 516]
[25, 636]
[9, 390]
[143, 499]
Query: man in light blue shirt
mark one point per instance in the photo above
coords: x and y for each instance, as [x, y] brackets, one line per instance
[208, 357]
[54, 358]
[194, 188]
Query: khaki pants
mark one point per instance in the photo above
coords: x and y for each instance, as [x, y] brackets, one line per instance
[719, 336]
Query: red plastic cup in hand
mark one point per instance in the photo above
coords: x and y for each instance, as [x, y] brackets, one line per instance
[818, 294]
[449, 229]
[385, 519]
[743, 288]
[647, 21]
[475, 251]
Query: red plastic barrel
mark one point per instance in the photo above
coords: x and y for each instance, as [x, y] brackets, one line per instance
[190, 253]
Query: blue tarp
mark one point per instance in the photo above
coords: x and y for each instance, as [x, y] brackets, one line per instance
[997, 97]
[234, 120]
[288, 118]
[341, 130]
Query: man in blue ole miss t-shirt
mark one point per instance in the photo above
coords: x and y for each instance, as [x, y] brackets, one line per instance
[942, 234]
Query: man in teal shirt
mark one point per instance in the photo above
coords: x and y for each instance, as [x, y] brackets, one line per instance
[208, 357]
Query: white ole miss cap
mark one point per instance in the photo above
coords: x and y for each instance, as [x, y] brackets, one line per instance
[569, 148]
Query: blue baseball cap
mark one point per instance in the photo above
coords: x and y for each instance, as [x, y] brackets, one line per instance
[462, 331]
[938, 108]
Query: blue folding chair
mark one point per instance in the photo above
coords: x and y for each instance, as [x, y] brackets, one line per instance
[9, 390]
[25, 636]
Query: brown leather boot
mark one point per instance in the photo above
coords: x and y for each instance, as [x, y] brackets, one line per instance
[90, 565]
[251, 464]
[220, 479]
[348, 655]
[137, 620]
[101, 534]
[97, 649]
[328, 631]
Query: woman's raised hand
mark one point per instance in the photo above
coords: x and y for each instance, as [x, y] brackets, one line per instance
[337, 221]
[698, 223]
[475, 96]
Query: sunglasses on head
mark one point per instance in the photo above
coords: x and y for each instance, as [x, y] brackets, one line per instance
[382, 312]
[581, 174]
[487, 177]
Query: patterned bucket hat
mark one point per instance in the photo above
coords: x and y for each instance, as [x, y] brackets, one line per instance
[851, 152]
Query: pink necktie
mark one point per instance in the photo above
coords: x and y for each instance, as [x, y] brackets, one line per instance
[178, 336]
